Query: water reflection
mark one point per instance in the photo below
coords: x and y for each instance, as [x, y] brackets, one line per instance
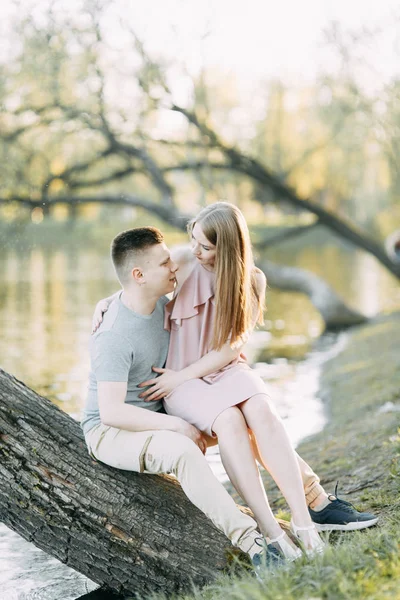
[47, 300]
[374, 287]
[45, 311]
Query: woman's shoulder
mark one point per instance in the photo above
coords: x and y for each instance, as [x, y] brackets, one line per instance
[186, 262]
[182, 255]
[195, 288]
[260, 280]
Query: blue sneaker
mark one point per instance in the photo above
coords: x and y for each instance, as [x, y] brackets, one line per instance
[340, 515]
[268, 557]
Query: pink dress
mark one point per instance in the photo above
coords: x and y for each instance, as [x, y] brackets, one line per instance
[189, 317]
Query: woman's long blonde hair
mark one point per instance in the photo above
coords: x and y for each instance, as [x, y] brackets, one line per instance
[237, 301]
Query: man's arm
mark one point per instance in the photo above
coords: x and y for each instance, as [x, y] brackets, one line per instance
[114, 412]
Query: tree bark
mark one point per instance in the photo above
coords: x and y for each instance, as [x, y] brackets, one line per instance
[134, 533]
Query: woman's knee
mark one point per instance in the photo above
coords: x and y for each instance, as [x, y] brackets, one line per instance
[260, 409]
[230, 420]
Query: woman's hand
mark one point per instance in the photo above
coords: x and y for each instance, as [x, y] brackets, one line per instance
[101, 308]
[161, 386]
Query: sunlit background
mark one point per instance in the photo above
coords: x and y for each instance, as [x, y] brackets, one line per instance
[310, 90]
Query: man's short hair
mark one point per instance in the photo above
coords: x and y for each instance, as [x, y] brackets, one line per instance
[128, 245]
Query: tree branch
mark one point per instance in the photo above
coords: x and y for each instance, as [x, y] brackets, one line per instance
[115, 176]
[169, 214]
[241, 163]
[288, 234]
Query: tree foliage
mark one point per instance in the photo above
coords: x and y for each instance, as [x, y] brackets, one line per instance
[79, 125]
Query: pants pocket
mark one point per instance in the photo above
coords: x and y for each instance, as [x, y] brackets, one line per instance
[142, 456]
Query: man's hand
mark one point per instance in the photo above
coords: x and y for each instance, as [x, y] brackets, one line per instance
[101, 308]
[193, 433]
[161, 386]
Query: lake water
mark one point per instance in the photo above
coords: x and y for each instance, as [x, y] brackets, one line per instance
[46, 302]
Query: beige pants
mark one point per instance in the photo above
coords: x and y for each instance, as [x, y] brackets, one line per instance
[159, 452]
[312, 486]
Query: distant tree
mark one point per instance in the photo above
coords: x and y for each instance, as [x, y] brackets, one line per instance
[78, 128]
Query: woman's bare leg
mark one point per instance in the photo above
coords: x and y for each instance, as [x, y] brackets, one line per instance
[277, 454]
[240, 465]
[313, 490]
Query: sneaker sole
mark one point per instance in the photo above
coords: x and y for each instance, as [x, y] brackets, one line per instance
[353, 526]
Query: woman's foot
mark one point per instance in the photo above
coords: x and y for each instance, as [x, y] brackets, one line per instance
[286, 548]
[309, 539]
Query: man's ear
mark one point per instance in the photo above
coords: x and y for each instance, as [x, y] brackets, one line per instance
[137, 276]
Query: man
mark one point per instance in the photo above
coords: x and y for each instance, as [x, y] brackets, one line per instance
[125, 432]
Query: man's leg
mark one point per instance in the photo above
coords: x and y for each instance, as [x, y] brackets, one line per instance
[315, 494]
[327, 511]
[160, 452]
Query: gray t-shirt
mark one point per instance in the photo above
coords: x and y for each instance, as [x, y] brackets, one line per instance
[125, 348]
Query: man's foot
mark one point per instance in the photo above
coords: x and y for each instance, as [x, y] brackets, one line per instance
[268, 557]
[285, 547]
[341, 515]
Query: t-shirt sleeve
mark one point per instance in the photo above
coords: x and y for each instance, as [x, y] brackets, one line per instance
[112, 357]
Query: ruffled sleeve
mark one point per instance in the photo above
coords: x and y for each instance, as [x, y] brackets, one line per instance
[197, 290]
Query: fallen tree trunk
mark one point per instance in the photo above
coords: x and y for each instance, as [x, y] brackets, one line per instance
[134, 533]
[334, 311]
[332, 308]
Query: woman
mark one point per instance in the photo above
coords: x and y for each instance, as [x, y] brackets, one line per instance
[207, 380]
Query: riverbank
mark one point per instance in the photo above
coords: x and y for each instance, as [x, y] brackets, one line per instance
[360, 448]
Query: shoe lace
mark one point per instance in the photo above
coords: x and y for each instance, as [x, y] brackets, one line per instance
[260, 542]
[268, 554]
[347, 506]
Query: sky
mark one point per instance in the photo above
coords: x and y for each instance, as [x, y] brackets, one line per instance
[260, 38]
[241, 44]
[252, 38]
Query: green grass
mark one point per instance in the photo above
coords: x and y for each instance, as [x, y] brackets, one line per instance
[359, 565]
